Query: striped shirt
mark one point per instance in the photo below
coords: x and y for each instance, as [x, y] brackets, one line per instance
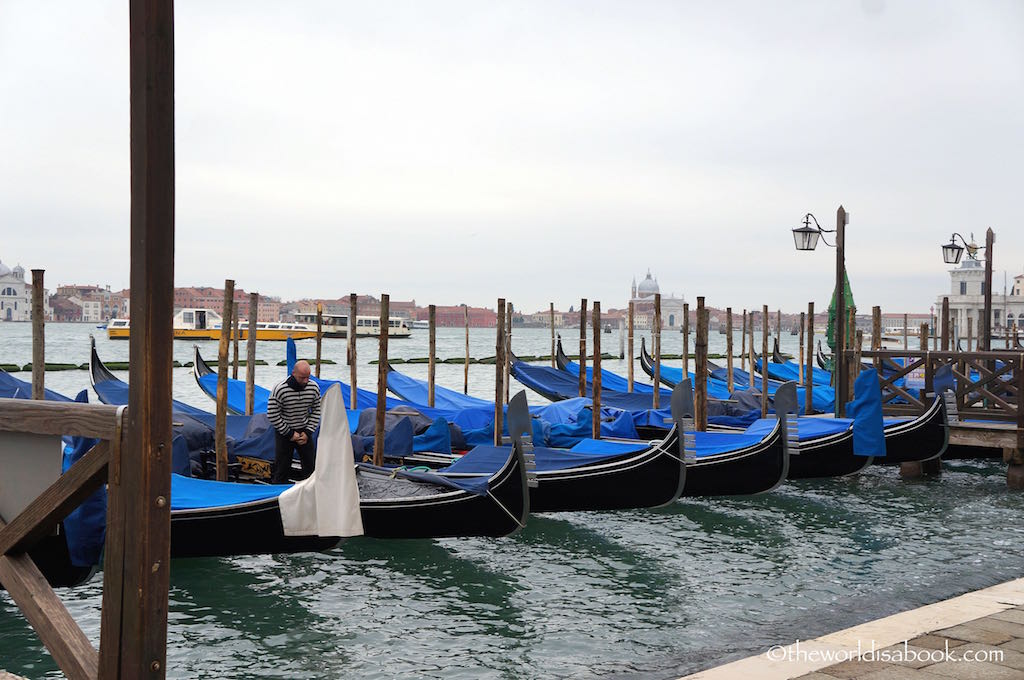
[291, 409]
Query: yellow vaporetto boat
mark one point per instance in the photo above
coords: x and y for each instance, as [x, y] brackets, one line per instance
[205, 324]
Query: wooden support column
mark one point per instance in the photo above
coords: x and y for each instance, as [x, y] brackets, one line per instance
[583, 348]
[700, 346]
[382, 380]
[656, 341]
[809, 374]
[235, 338]
[353, 366]
[764, 361]
[431, 359]
[220, 422]
[320, 335]
[499, 374]
[250, 353]
[465, 366]
[596, 391]
[728, 347]
[554, 364]
[38, 336]
[632, 351]
[945, 324]
[133, 640]
[800, 361]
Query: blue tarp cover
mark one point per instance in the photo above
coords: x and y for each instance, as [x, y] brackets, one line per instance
[791, 371]
[416, 391]
[807, 428]
[115, 392]
[866, 410]
[188, 493]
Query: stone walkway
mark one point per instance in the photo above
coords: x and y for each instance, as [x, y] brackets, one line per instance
[977, 635]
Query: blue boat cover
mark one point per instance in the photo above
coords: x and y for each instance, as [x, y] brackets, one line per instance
[85, 527]
[114, 391]
[866, 409]
[12, 388]
[791, 371]
[417, 392]
[609, 380]
[807, 428]
[189, 493]
[715, 443]
[556, 385]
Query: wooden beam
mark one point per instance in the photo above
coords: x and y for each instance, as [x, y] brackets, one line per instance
[53, 504]
[60, 418]
[38, 336]
[250, 353]
[111, 617]
[146, 475]
[221, 418]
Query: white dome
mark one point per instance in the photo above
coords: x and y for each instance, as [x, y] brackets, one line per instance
[648, 287]
[4, 269]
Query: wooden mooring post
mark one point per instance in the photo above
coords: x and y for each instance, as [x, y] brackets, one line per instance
[250, 353]
[656, 341]
[906, 331]
[743, 344]
[465, 367]
[876, 335]
[764, 361]
[508, 350]
[632, 349]
[320, 334]
[945, 324]
[728, 347]
[499, 373]
[686, 339]
[353, 301]
[809, 370]
[432, 350]
[583, 348]
[552, 312]
[596, 389]
[38, 336]
[220, 424]
[700, 346]
[235, 332]
[382, 380]
[800, 361]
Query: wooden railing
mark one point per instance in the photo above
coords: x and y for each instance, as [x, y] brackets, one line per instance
[988, 385]
[23, 580]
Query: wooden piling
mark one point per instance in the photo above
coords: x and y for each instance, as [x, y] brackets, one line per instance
[38, 336]
[809, 371]
[876, 337]
[431, 360]
[743, 344]
[906, 331]
[728, 347]
[465, 366]
[700, 346]
[583, 348]
[596, 390]
[945, 324]
[622, 338]
[382, 380]
[970, 332]
[778, 326]
[499, 374]
[656, 341]
[632, 351]
[554, 364]
[800, 361]
[764, 361]
[133, 638]
[250, 354]
[859, 345]
[923, 335]
[236, 336]
[320, 334]
[508, 350]
[686, 339]
[220, 428]
[351, 354]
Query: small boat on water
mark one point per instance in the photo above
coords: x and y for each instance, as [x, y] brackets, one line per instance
[368, 326]
[205, 324]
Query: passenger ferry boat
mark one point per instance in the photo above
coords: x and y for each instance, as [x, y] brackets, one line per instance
[205, 324]
[336, 325]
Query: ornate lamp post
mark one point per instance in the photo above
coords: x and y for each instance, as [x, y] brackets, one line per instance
[806, 238]
[951, 254]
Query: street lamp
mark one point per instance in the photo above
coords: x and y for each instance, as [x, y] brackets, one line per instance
[806, 238]
[951, 254]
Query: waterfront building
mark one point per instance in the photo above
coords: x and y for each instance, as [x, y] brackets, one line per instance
[967, 300]
[15, 294]
[642, 297]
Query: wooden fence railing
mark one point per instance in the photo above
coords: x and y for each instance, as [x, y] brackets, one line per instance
[23, 580]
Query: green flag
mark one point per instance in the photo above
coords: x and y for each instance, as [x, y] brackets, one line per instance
[848, 304]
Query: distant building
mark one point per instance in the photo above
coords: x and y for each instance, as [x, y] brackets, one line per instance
[454, 316]
[642, 297]
[15, 294]
[967, 300]
[97, 303]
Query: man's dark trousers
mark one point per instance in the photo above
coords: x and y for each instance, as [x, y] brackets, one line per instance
[283, 449]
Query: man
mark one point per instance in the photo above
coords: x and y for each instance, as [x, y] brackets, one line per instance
[294, 411]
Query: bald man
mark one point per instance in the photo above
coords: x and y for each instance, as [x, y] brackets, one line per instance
[294, 411]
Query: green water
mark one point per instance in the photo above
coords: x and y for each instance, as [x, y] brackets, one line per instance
[638, 594]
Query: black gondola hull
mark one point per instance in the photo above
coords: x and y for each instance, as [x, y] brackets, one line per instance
[918, 440]
[758, 469]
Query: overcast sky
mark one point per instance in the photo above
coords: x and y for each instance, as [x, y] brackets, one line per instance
[542, 151]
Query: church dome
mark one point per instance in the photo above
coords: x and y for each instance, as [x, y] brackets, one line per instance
[4, 269]
[648, 287]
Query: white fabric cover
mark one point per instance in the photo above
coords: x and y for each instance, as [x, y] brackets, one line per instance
[326, 503]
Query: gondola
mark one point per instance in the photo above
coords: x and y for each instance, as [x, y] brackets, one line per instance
[396, 504]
